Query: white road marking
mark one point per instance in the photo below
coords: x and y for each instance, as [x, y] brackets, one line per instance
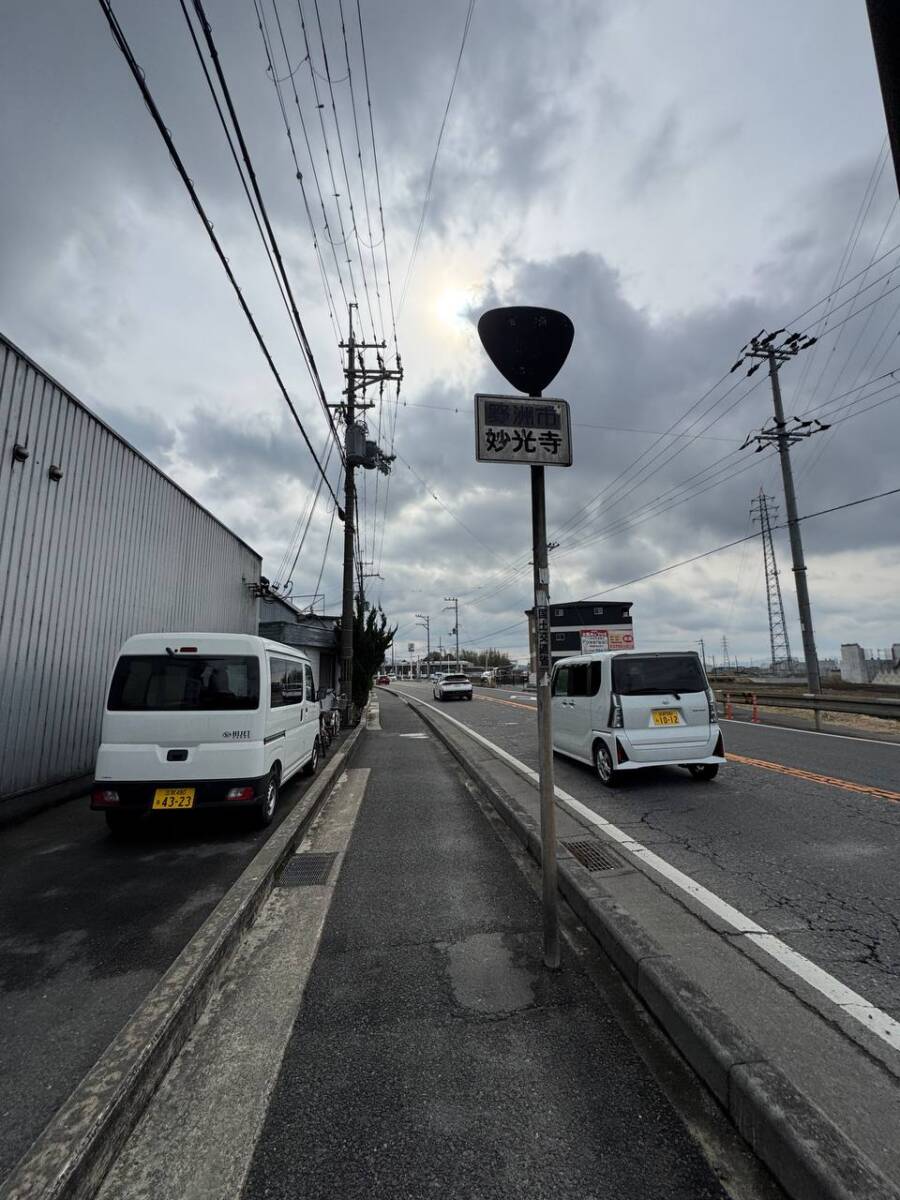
[846, 737]
[854, 1005]
[414, 735]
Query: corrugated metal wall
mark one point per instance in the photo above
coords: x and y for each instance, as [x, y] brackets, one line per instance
[111, 549]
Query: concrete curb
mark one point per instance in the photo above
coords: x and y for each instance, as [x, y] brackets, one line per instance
[69, 1159]
[806, 1152]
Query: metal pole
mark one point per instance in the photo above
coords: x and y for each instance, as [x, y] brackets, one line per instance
[884, 22]
[456, 627]
[799, 566]
[545, 730]
[349, 510]
[703, 653]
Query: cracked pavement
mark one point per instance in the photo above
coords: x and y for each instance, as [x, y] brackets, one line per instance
[813, 864]
[432, 1052]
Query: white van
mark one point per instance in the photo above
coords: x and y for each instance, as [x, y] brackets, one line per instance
[621, 711]
[204, 720]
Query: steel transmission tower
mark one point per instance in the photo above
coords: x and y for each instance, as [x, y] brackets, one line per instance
[763, 511]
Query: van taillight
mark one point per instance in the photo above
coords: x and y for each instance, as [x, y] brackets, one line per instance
[240, 793]
[615, 714]
[104, 797]
[713, 711]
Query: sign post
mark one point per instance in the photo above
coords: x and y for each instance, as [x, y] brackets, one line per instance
[528, 346]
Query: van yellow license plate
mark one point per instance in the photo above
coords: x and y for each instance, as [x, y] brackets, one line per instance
[173, 798]
[665, 716]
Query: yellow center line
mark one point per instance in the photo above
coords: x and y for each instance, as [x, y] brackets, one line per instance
[813, 777]
[511, 703]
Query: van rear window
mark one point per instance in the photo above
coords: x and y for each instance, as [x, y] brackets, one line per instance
[182, 683]
[657, 674]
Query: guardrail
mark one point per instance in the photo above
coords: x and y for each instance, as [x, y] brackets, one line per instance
[887, 709]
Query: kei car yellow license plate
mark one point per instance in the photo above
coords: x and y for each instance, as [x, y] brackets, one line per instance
[173, 798]
[664, 716]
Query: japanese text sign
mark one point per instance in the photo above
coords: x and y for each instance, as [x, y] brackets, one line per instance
[516, 429]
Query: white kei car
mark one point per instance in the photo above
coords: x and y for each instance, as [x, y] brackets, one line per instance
[453, 687]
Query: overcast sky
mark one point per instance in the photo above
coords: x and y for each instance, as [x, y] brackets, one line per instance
[673, 174]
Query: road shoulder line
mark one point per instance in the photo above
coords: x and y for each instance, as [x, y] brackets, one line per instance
[808, 1153]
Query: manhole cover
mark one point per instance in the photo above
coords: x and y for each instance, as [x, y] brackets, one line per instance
[305, 870]
[594, 855]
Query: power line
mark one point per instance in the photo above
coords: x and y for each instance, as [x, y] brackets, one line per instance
[237, 163]
[850, 247]
[362, 170]
[304, 516]
[437, 150]
[309, 519]
[264, 29]
[705, 554]
[340, 140]
[467, 412]
[728, 545]
[320, 108]
[276, 250]
[276, 81]
[325, 552]
[139, 77]
[387, 266]
[433, 494]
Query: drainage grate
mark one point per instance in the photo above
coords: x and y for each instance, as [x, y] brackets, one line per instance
[594, 855]
[304, 870]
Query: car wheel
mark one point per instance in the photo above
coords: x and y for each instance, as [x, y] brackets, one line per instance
[123, 825]
[265, 811]
[313, 765]
[704, 771]
[603, 764]
[468, 697]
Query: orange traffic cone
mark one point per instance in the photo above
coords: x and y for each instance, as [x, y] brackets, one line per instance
[729, 707]
[754, 713]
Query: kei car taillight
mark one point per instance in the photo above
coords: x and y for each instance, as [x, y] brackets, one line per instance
[615, 714]
[713, 711]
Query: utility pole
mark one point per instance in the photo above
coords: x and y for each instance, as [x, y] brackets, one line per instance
[453, 602]
[764, 349]
[359, 452]
[702, 646]
[349, 529]
[884, 22]
[425, 622]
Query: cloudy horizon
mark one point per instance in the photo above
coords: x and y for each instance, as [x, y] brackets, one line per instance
[661, 172]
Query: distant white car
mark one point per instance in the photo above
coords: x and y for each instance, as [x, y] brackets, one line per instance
[453, 687]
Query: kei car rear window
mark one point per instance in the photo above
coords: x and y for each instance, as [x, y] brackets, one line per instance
[656, 675]
[182, 683]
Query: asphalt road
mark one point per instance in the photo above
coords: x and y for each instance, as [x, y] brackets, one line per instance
[812, 861]
[433, 1054]
[87, 927]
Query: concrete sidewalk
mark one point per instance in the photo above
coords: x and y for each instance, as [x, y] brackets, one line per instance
[432, 1053]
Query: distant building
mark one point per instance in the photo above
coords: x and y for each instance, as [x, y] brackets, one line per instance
[857, 666]
[316, 635]
[583, 626]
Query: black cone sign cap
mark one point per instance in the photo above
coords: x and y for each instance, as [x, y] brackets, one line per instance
[526, 345]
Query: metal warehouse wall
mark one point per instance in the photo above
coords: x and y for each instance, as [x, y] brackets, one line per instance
[111, 549]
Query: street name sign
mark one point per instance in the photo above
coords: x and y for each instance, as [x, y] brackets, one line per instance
[516, 429]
